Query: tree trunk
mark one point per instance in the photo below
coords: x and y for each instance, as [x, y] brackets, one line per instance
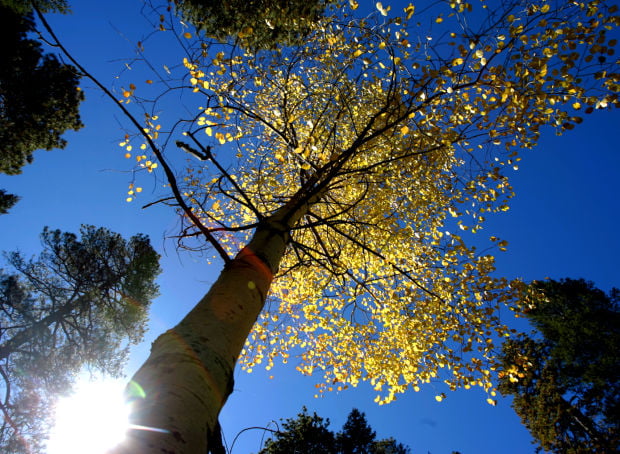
[179, 391]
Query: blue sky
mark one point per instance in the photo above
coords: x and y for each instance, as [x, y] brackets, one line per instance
[562, 223]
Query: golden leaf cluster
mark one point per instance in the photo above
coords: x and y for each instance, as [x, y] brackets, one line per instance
[394, 137]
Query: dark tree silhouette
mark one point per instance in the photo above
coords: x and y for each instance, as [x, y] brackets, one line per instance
[7, 201]
[26, 6]
[310, 434]
[565, 378]
[39, 95]
[257, 23]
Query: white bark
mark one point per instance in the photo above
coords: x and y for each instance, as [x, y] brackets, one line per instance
[189, 373]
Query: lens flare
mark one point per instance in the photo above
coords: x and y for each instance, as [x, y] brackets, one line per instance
[92, 420]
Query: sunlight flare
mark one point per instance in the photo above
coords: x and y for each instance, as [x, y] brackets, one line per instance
[91, 420]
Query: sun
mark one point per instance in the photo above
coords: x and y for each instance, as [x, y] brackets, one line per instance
[92, 420]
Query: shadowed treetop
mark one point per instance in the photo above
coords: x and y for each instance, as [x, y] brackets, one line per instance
[258, 24]
[565, 378]
[39, 95]
[311, 434]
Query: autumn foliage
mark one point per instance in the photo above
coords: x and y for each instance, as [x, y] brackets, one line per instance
[356, 170]
[397, 132]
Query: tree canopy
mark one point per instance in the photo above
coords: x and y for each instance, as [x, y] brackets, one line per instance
[565, 376]
[26, 6]
[39, 95]
[310, 434]
[7, 201]
[382, 150]
[256, 24]
[81, 302]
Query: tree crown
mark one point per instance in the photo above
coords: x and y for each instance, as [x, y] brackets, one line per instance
[378, 147]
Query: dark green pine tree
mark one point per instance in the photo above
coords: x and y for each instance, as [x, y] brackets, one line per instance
[39, 95]
[356, 437]
[389, 446]
[310, 434]
[80, 303]
[7, 201]
[45, 6]
[565, 377]
[305, 434]
[258, 24]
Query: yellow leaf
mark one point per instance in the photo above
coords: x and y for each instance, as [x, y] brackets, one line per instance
[439, 20]
[353, 4]
[245, 32]
[404, 130]
[382, 10]
[440, 397]
[409, 10]
[149, 81]
[489, 400]
[187, 35]
[357, 53]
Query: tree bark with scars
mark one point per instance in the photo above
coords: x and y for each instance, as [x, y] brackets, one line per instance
[180, 390]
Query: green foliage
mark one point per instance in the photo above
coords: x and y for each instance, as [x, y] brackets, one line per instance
[257, 23]
[310, 434]
[7, 201]
[39, 95]
[45, 6]
[357, 436]
[79, 303]
[565, 378]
